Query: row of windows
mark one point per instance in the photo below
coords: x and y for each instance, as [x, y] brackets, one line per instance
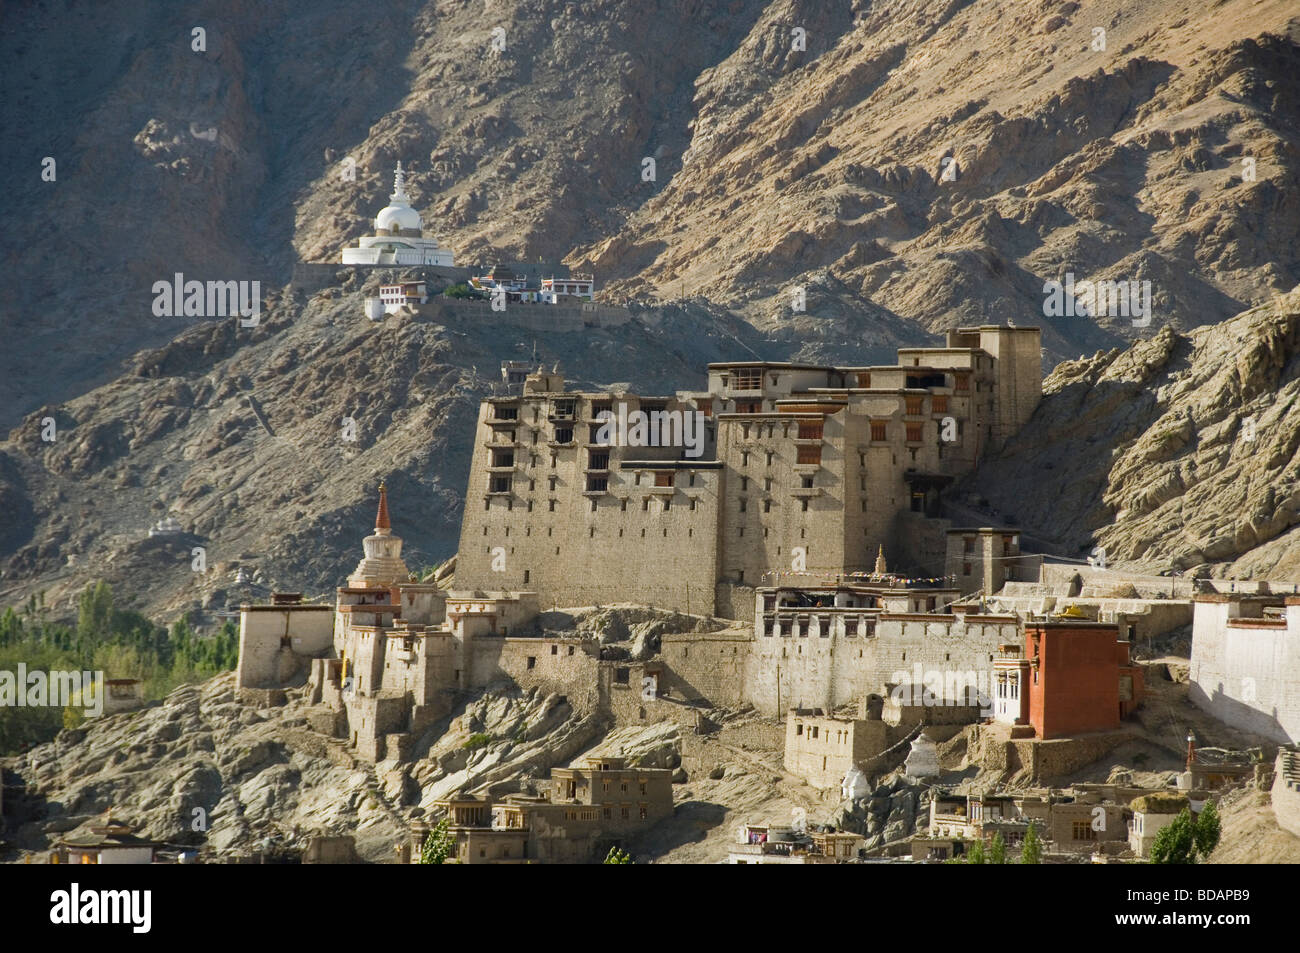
[838, 736]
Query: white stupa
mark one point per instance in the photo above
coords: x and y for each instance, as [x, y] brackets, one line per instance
[923, 760]
[399, 237]
[382, 565]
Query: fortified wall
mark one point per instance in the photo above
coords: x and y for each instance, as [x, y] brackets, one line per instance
[1246, 662]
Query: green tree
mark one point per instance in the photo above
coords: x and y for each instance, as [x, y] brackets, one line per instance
[1176, 842]
[998, 850]
[1207, 829]
[616, 856]
[1031, 851]
[439, 845]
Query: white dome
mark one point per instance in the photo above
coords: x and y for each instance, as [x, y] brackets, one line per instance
[398, 213]
[401, 216]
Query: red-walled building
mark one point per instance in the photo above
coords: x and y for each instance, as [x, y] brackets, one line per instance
[1079, 676]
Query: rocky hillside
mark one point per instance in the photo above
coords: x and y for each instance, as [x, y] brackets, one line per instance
[1179, 452]
[815, 157]
[239, 435]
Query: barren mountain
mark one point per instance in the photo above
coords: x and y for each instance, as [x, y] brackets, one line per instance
[795, 143]
[1179, 452]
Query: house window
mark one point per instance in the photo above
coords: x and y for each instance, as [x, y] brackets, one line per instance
[664, 478]
[939, 404]
[501, 484]
[878, 430]
[532, 662]
[705, 407]
[962, 383]
[503, 458]
[810, 430]
[913, 433]
[749, 406]
[914, 405]
[864, 378]
[747, 378]
[808, 455]
[597, 484]
[564, 435]
[598, 460]
[621, 675]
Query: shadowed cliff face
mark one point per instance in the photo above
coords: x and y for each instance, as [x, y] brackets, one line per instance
[910, 166]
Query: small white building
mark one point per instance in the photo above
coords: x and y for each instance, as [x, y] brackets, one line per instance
[393, 298]
[399, 237]
[109, 843]
[1152, 813]
[576, 286]
[167, 526]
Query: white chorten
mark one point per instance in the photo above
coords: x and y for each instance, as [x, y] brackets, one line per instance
[382, 564]
[399, 237]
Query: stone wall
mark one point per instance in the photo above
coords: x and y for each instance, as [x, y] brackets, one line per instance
[810, 670]
[1244, 671]
[706, 667]
[536, 317]
[275, 641]
[1286, 790]
[563, 666]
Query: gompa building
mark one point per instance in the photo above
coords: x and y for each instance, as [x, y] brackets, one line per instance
[776, 471]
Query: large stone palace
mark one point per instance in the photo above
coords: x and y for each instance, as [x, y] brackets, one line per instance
[689, 502]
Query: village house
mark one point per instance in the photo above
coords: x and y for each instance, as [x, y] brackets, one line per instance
[587, 809]
[764, 844]
[1152, 813]
[111, 842]
[1074, 676]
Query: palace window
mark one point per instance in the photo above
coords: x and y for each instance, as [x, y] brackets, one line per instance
[564, 435]
[913, 433]
[598, 460]
[808, 455]
[914, 405]
[747, 378]
[939, 404]
[878, 430]
[810, 430]
[664, 478]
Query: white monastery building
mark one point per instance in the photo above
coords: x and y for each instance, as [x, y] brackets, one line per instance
[399, 237]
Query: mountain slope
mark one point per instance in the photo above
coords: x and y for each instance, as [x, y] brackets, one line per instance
[774, 166]
[1182, 451]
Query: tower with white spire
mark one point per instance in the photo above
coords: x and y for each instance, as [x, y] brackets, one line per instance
[382, 565]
